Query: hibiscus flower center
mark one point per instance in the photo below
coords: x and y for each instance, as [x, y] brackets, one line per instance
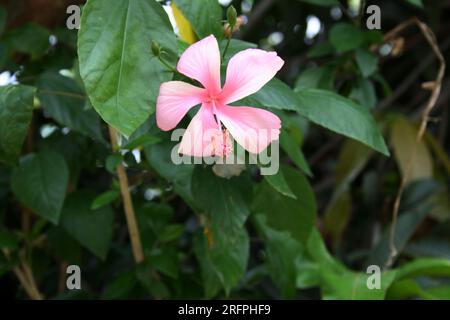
[212, 98]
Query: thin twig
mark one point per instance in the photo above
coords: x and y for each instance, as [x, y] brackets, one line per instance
[24, 279]
[130, 216]
[437, 84]
[32, 282]
[410, 78]
[24, 283]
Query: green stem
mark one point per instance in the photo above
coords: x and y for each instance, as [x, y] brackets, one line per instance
[226, 48]
[169, 67]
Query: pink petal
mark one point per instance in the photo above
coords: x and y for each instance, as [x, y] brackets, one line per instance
[248, 71]
[174, 101]
[201, 61]
[198, 139]
[254, 129]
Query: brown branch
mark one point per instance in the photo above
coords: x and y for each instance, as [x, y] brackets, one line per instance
[32, 282]
[130, 216]
[26, 279]
[435, 91]
[24, 283]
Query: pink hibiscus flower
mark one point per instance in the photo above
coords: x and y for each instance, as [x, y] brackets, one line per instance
[208, 133]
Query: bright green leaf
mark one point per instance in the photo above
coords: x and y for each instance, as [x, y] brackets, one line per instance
[278, 182]
[205, 16]
[341, 115]
[121, 78]
[105, 199]
[290, 146]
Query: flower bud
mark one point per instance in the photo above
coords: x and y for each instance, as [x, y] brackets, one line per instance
[231, 16]
[156, 50]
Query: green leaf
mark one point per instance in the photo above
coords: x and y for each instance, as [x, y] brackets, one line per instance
[40, 183]
[93, 229]
[223, 258]
[16, 110]
[8, 240]
[341, 115]
[353, 158]
[325, 108]
[276, 94]
[205, 16]
[424, 267]
[159, 157]
[151, 281]
[121, 286]
[404, 289]
[63, 246]
[293, 150]
[407, 224]
[364, 93]
[65, 102]
[227, 205]
[224, 261]
[319, 253]
[345, 37]
[105, 199]
[153, 219]
[278, 182]
[121, 78]
[338, 282]
[142, 141]
[367, 62]
[413, 158]
[315, 78]
[337, 215]
[112, 162]
[320, 50]
[166, 261]
[429, 247]
[30, 38]
[353, 286]
[281, 253]
[171, 232]
[284, 213]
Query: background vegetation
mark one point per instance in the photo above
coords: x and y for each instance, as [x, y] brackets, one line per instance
[361, 183]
